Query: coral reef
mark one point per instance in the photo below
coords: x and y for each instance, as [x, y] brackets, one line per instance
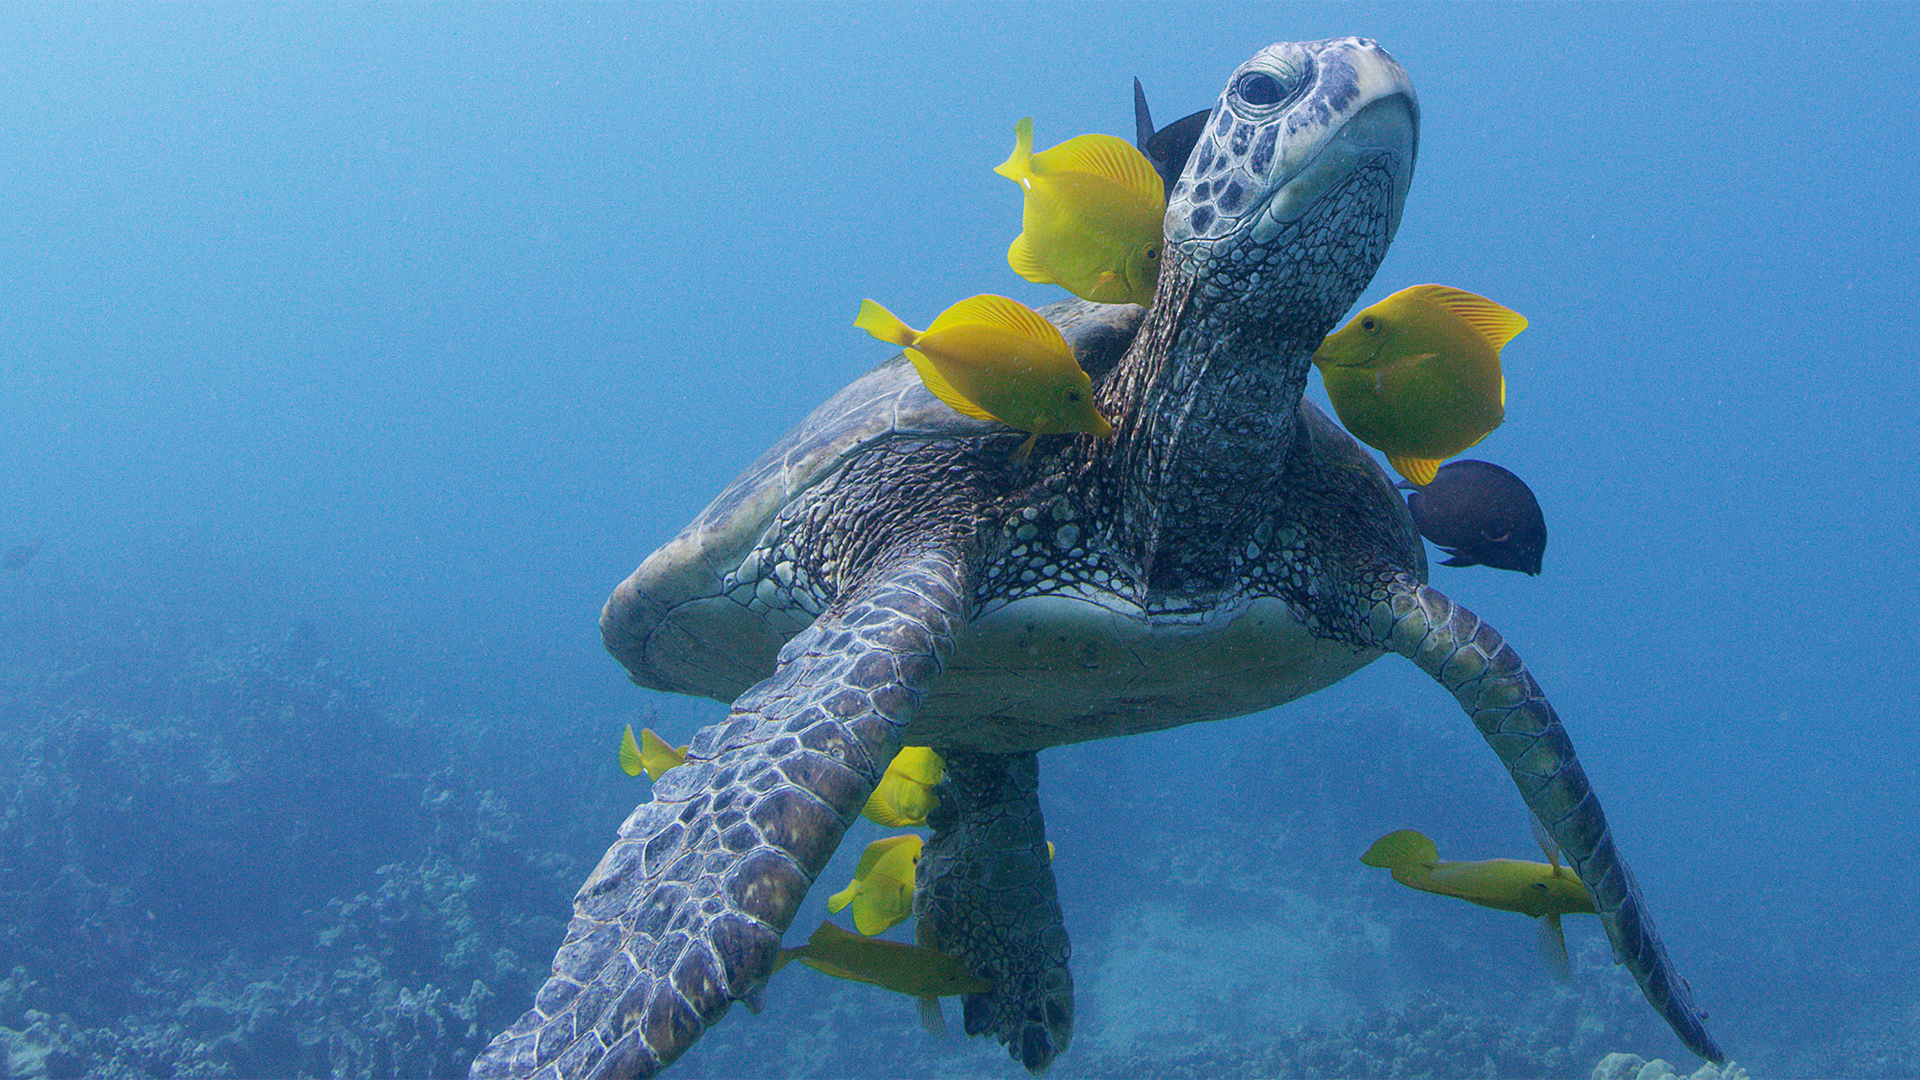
[238, 859]
[1634, 1067]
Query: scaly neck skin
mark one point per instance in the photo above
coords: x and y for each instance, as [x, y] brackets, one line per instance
[1204, 407]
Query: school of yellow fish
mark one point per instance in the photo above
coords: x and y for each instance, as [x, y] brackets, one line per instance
[1416, 376]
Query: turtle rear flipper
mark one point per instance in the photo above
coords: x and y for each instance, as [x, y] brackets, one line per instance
[985, 894]
[1487, 677]
[684, 914]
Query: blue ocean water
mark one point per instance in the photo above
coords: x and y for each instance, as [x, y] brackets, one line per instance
[349, 356]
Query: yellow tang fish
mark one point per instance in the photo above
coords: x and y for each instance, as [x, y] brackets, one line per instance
[881, 892]
[913, 970]
[650, 755]
[992, 358]
[905, 793]
[1543, 891]
[1417, 375]
[1093, 217]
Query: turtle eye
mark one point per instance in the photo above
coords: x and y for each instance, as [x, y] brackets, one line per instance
[1258, 88]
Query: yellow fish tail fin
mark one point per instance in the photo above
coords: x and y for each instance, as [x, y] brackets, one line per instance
[1112, 159]
[884, 325]
[1049, 851]
[1496, 323]
[630, 754]
[1417, 469]
[786, 957]
[656, 756]
[1020, 256]
[1019, 164]
[1401, 849]
[932, 1018]
[1553, 947]
[944, 390]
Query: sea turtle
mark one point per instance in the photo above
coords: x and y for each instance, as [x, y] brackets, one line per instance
[890, 575]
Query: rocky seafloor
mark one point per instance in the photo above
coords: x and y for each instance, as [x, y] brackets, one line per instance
[225, 852]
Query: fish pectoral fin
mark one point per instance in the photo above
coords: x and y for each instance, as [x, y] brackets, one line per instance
[932, 1018]
[1417, 469]
[1553, 947]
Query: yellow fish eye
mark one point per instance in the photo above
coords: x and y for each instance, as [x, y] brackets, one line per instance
[1369, 323]
[1073, 395]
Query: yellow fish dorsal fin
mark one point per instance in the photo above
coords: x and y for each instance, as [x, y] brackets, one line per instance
[657, 757]
[884, 325]
[1402, 848]
[942, 389]
[1002, 313]
[1110, 158]
[1496, 323]
[1417, 469]
[1019, 164]
[630, 754]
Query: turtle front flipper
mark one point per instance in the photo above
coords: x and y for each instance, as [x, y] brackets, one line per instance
[1487, 677]
[684, 914]
[985, 893]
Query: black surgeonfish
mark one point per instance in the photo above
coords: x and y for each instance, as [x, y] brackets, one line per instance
[1481, 515]
[1169, 147]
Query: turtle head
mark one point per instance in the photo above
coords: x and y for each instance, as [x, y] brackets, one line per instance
[1295, 187]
